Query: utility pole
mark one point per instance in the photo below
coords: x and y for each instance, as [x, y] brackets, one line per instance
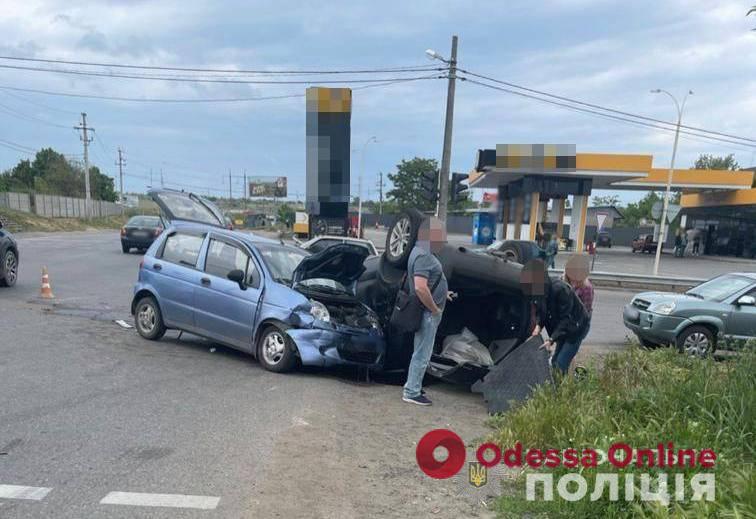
[162, 184]
[246, 192]
[151, 183]
[230, 194]
[380, 193]
[443, 182]
[121, 162]
[86, 139]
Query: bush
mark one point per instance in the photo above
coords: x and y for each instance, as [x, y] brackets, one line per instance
[642, 398]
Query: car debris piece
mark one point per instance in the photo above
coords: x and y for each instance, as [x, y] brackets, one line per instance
[501, 348]
[516, 376]
[123, 324]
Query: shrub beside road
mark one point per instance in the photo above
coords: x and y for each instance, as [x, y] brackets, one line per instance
[643, 398]
[29, 222]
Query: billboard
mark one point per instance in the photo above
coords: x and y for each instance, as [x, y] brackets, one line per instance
[272, 187]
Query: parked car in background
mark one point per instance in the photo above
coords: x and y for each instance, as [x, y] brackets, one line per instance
[644, 243]
[722, 308]
[323, 242]
[8, 258]
[280, 303]
[604, 239]
[139, 232]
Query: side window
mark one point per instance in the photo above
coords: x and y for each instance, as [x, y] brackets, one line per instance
[222, 258]
[183, 249]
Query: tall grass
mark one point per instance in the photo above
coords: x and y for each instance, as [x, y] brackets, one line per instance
[642, 398]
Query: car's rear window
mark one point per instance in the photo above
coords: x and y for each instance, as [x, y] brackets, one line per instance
[144, 221]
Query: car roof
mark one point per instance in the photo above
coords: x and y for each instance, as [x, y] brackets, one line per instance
[247, 237]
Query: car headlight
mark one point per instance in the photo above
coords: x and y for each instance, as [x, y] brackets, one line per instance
[319, 311]
[663, 308]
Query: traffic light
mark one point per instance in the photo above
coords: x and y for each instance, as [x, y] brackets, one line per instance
[429, 186]
[456, 186]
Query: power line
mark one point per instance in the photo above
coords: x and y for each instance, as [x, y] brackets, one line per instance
[225, 71]
[605, 115]
[196, 80]
[604, 108]
[21, 115]
[41, 105]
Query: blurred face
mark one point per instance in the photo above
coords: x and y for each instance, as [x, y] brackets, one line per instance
[576, 269]
[432, 235]
[533, 279]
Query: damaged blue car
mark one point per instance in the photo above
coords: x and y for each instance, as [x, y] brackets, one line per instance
[279, 303]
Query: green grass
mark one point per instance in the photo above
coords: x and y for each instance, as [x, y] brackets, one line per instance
[32, 222]
[643, 397]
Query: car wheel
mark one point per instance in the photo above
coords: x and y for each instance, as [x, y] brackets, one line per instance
[402, 236]
[697, 341]
[518, 251]
[9, 269]
[125, 248]
[148, 319]
[275, 351]
[646, 343]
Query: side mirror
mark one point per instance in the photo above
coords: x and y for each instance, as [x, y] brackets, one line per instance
[237, 276]
[746, 301]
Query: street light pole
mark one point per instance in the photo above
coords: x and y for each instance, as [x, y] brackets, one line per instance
[359, 184]
[665, 207]
[443, 181]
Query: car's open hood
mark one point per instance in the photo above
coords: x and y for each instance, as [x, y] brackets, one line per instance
[342, 262]
[188, 207]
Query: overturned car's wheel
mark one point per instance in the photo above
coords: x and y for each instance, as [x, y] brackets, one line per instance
[275, 351]
[519, 251]
[402, 236]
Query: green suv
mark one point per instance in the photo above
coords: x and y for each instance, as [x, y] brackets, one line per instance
[721, 308]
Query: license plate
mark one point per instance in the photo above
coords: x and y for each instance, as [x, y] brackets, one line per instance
[139, 234]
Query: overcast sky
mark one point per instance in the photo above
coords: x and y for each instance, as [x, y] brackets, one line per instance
[605, 52]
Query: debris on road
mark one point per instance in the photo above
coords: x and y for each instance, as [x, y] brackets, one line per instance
[123, 324]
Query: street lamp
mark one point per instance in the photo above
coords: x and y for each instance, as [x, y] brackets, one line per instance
[662, 235]
[359, 184]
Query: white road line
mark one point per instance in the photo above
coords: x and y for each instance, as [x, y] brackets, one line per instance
[164, 500]
[22, 492]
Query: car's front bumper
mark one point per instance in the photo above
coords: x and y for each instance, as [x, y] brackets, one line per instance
[653, 327]
[334, 346]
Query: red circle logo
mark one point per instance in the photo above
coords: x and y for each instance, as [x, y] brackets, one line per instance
[427, 461]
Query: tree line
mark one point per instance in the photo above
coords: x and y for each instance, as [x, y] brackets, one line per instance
[52, 173]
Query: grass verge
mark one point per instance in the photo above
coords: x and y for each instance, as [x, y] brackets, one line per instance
[642, 398]
[32, 222]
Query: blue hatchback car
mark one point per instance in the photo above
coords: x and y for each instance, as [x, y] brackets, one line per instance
[279, 303]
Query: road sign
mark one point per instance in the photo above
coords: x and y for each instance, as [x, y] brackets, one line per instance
[672, 211]
[601, 218]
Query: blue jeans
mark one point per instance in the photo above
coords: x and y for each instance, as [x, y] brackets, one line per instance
[566, 351]
[424, 339]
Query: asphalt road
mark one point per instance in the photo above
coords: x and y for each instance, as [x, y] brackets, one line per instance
[90, 409]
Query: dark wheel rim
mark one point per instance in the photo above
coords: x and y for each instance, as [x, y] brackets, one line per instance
[146, 318]
[400, 237]
[697, 343]
[273, 348]
[10, 268]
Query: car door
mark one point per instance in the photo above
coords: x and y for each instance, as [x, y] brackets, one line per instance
[175, 275]
[742, 320]
[224, 310]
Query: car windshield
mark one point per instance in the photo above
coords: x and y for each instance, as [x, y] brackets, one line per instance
[720, 288]
[144, 221]
[281, 261]
[324, 285]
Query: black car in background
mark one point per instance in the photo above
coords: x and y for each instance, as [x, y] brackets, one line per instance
[139, 232]
[8, 258]
[604, 239]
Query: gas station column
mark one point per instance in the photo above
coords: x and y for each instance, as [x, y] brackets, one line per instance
[578, 221]
[535, 205]
[519, 216]
[557, 209]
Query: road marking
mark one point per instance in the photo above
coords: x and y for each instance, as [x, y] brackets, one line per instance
[164, 500]
[22, 492]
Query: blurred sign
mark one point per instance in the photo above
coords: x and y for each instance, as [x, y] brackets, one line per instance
[601, 218]
[274, 187]
[489, 198]
[672, 211]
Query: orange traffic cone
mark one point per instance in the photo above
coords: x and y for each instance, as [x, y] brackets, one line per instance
[46, 292]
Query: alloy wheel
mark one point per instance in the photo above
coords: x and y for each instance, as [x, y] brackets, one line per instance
[274, 348]
[10, 268]
[146, 318]
[400, 236]
[696, 343]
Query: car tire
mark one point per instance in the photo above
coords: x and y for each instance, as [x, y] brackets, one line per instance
[518, 251]
[401, 237]
[275, 350]
[148, 319]
[697, 341]
[125, 248]
[8, 269]
[389, 274]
